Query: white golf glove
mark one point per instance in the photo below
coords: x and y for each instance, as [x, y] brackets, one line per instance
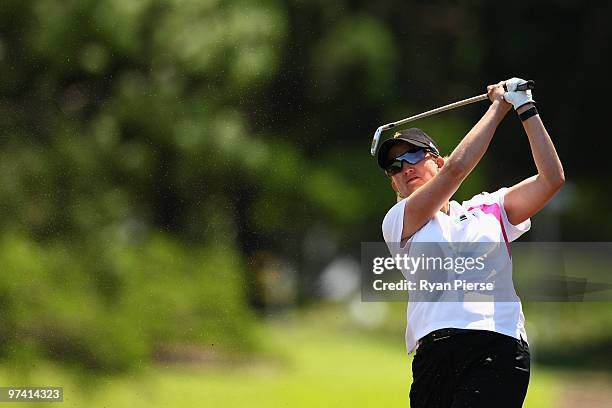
[517, 98]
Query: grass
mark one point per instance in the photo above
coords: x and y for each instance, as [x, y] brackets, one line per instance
[308, 362]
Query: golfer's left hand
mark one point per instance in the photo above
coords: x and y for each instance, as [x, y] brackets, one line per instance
[517, 98]
[496, 94]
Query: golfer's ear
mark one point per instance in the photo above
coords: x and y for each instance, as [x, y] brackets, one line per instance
[440, 161]
[398, 196]
[393, 186]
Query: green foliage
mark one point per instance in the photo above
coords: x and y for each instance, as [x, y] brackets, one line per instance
[356, 43]
[113, 307]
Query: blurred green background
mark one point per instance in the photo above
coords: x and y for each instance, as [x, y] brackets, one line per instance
[184, 186]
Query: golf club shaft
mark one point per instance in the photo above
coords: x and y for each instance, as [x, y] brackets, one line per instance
[437, 110]
[420, 116]
[522, 87]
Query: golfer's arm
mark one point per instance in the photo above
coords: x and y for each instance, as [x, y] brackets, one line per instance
[425, 202]
[526, 198]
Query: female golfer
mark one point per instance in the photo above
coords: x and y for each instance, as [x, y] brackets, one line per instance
[468, 353]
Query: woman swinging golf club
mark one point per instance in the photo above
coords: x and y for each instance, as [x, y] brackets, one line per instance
[468, 353]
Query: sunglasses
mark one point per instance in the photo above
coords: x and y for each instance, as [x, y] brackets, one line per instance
[411, 156]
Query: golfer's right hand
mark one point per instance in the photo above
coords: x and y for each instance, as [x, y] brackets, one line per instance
[496, 93]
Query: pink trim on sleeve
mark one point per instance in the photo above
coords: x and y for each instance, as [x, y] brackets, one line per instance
[496, 211]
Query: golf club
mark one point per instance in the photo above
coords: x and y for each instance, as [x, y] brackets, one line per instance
[521, 87]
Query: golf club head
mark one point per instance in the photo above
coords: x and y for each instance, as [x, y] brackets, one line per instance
[375, 141]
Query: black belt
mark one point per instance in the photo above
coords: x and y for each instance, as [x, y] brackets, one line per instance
[441, 334]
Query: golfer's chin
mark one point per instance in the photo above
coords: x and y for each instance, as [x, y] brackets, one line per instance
[412, 186]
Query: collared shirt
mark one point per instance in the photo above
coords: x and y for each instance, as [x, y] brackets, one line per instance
[481, 219]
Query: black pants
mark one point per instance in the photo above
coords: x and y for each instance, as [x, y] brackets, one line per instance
[469, 368]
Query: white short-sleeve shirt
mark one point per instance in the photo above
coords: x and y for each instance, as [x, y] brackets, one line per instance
[480, 219]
